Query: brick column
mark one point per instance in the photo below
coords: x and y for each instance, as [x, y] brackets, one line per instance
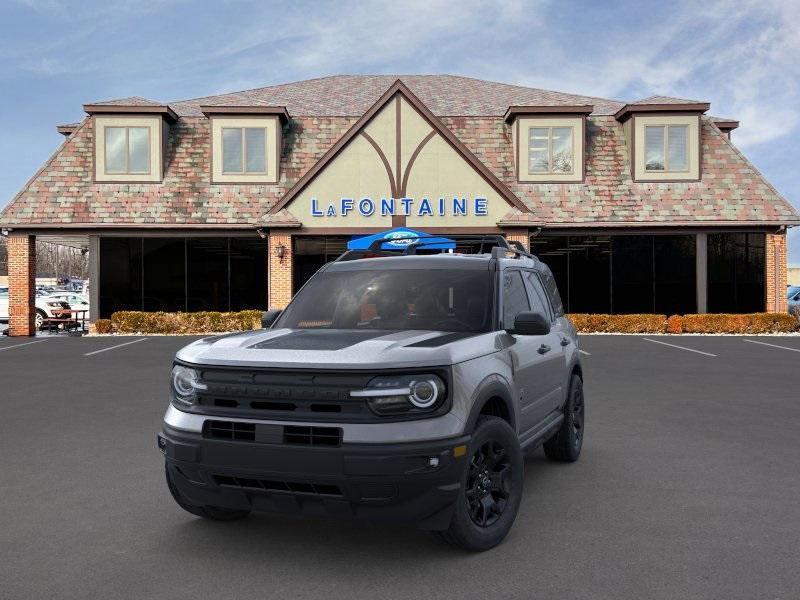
[21, 284]
[519, 235]
[775, 273]
[280, 270]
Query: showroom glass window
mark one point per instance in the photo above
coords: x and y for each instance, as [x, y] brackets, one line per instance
[127, 150]
[550, 150]
[622, 274]
[244, 150]
[736, 265]
[666, 148]
[182, 274]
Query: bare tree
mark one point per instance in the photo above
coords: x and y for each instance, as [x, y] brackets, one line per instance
[52, 260]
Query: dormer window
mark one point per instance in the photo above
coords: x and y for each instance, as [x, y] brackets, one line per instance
[130, 140]
[127, 150]
[666, 148]
[663, 138]
[245, 143]
[244, 150]
[548, 142]
[550, 150]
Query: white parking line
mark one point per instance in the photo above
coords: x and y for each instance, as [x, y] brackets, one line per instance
[584, 352]
[680, 347]
[113, 347]
[20, 345]
[771, 345]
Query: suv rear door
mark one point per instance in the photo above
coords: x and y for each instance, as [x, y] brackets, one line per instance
[557, 374]
[537, 359]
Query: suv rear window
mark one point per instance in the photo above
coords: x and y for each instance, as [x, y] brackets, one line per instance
[438, 299]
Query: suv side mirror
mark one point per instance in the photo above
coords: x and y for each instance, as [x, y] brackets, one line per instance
[531, 323]
[268, 318]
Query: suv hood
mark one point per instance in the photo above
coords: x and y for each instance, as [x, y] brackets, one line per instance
[340, 348]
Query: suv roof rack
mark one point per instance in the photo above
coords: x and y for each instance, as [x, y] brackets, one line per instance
[500, 246]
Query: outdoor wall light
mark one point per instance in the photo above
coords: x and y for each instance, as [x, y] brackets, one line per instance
[280, 252]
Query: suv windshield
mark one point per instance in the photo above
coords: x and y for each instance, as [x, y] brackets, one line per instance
[442, 300]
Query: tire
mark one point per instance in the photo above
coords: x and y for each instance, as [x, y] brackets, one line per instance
[39, 318]
[566, 444]
[491, 488]
[214, 513]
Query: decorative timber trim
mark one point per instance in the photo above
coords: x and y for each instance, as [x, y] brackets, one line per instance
[398, 182]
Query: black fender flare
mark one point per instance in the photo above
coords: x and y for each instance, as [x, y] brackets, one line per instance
[491, 387]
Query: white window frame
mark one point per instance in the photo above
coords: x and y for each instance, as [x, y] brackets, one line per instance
[550, 170]
[244, 171]
[127, 129]
[665, 148]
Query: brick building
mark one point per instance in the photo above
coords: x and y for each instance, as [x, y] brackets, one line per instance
[232, 201]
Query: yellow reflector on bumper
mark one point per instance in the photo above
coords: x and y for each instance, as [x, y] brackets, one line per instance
[459, 451]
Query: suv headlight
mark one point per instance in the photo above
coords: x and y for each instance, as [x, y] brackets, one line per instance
[403, 394]
[185, 384]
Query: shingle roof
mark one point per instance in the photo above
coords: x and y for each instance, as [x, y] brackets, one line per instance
[666, 100]
[352, 95]
[63, 193]
[130, 101]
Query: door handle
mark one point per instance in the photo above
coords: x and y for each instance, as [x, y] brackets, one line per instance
[565, 341]
[543, 349]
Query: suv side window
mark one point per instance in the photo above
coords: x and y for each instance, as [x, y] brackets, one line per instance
[552, 292]
[537, 295]
[515, 298]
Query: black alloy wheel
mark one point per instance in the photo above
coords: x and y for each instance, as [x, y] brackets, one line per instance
[566, 444]
[488, 483]
[577, 418]
[491, 487]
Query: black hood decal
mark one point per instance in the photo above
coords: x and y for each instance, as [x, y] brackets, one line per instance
[319, 339]
[441, 340]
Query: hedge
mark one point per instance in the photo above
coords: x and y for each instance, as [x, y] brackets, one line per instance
[216, 322]
[196, 322]
[706, 323]
[643, 323]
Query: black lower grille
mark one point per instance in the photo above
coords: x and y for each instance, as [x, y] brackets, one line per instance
[230, 430]
[288, 487]
[312, 436]
[268, 433]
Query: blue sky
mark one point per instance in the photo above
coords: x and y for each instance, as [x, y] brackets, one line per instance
[56, 55]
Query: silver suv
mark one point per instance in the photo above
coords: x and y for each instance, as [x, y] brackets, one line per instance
[393, 387]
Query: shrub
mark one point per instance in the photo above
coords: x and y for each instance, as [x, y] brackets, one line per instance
[103, 326]
[197, 322]
[675, 324]
[746, 323]
[706, 323]
[586, 323]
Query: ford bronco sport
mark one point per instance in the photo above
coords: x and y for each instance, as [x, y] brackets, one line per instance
[393, 387]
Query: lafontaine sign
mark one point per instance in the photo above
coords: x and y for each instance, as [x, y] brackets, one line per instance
[422, 207]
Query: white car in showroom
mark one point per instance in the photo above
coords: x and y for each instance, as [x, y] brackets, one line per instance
[76, 300]
[46, 307]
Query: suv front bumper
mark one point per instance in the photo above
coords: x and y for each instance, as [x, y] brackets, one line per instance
[406, 482]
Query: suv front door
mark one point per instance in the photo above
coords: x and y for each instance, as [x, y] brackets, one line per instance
[533, 357]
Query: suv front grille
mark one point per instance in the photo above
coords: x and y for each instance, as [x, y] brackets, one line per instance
[284, 395]
[287, 487]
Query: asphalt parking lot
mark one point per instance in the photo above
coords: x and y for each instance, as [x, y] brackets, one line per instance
[688, 488]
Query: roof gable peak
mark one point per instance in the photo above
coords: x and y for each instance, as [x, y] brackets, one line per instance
[395, 89]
